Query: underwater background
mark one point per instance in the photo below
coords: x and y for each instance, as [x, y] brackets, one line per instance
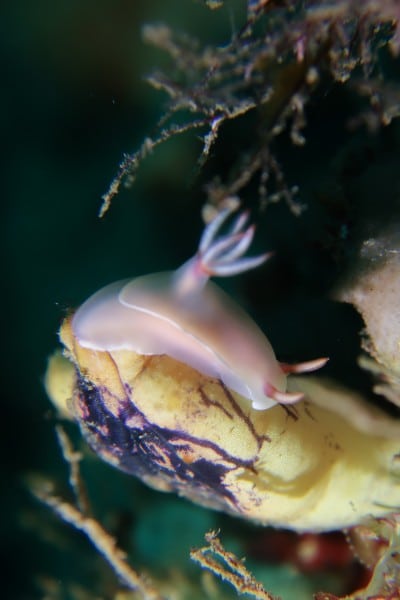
[74, 100]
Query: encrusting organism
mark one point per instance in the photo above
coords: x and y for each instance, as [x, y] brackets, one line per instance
[186, 425]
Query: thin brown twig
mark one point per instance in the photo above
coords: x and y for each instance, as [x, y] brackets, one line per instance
[130, 163]
[73, 459]
[99, 537]
[228, 567]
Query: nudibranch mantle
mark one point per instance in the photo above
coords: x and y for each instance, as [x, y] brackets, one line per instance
[185, 316]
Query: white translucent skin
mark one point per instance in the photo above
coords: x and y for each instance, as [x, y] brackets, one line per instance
[205, 330]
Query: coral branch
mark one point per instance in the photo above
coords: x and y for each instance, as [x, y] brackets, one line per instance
[73, 459]
[228, 567]
[78, 517]
[130, 163]
[273, 64]
[99, 537]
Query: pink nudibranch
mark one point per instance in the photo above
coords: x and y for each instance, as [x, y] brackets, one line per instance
[185, 316]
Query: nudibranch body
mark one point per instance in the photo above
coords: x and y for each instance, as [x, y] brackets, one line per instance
[185, 316]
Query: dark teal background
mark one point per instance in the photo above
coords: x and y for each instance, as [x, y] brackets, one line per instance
[73, 100]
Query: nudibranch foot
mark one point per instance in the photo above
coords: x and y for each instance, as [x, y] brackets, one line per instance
[304, 367]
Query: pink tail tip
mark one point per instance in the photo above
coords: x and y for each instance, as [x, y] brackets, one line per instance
[304, 367]
[282, 397]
